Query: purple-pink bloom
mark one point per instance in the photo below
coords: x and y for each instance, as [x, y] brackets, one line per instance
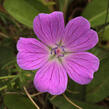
[60, 51]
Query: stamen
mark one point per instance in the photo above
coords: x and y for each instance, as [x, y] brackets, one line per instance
[58, 51]
[54, 50]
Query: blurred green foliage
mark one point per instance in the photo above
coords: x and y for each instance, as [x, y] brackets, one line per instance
[99, 88]
[25, 10]
[17, 101]
[95, 12]
[15, 13]
[61, 103]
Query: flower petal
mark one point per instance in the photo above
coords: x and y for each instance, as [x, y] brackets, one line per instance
[49, 27]
[51, 78]
[32, 53]
[79, 36]
[81, 66]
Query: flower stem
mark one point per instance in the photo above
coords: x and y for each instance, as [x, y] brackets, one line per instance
[71, 102]
[4, 87]
[36, 94]
[73, 92]
[53, 97]
[29, 96]
[65, 9]
[7, 77]
[4, 35]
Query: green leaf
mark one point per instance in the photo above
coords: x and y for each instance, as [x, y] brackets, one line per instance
[48, 3]
[106, 33]
[6, 55]
[75, 90]
[101, 53]
[17, 101]
[61, 103]
[95, 12]
[25, 10]
[63, 4]
[26, 77]
[98, 89]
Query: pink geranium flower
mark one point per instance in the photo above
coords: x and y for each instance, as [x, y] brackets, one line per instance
[60, 51]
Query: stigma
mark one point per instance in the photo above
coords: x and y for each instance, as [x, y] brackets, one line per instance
[58, 51]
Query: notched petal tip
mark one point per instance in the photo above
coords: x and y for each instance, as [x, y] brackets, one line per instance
[95, 35]
[97, 63]
[51, 78]
[18, 42]
[32, 54]
[81, 67]
[49, 27]
[82, 38]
